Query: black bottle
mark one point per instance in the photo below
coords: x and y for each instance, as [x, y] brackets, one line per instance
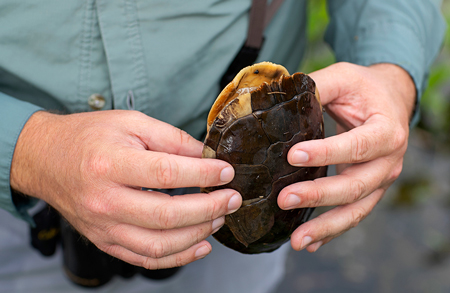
[85, 264]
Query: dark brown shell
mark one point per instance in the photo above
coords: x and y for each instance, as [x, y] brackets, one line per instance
[254, 132]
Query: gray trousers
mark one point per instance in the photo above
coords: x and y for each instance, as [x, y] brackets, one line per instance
[23, 269]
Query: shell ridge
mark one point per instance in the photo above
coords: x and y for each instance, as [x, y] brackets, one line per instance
[272, 155]
[264, 131]
[250, 226]
[258, 189]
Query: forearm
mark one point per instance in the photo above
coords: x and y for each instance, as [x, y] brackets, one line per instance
[28, 167]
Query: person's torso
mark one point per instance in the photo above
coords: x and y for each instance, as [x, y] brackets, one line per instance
[160, 57]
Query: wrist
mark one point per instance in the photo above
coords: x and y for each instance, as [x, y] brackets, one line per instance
[27, 170]
[401, 82]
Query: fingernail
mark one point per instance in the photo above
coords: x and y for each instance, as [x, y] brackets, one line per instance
[292, 201]
[217, 224]
[316, 246]
[202, 252]
[234, 204]
[300, 157]
[227, 174]
[305, 242]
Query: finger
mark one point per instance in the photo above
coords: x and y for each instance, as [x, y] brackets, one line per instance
[354, 183]
[161, 243]
[333, 223]
[191, 254]
[161, 170]
[163, 137]
[155, 210]
[361, 144]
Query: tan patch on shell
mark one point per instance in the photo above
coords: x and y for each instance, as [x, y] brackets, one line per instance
[244, 82]
[208, 152]
[239, 107]
[316, 93]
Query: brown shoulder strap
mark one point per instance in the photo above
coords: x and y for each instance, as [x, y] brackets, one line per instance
[260, 16]
[271, 10]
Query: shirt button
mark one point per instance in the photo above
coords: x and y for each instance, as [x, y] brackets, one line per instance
[96, 101]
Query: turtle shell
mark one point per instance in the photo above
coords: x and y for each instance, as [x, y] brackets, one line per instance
[252, 125]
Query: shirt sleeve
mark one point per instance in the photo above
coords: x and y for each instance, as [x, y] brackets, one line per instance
[408, 33]
[13, 116]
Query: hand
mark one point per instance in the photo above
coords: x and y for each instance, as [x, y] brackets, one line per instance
[90, 167]
[372, 107]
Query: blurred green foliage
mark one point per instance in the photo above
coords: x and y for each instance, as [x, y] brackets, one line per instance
[318, 54]
[435, 105]
[412, 192]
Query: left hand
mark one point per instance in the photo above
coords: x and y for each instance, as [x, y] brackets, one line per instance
[90, 167]
[372, 107]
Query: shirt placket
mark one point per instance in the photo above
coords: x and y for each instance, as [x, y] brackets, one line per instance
[120, 31]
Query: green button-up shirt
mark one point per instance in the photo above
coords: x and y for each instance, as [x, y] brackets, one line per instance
[165, 57]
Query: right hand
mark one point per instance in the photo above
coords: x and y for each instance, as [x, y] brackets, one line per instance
[91, 166]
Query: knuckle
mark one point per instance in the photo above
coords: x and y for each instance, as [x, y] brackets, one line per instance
[326, 229]
[114, 232]
[98, 205]
[201, 234]
[185, 138]
[395, 173]
[133, 116]
[357, 190]
[328, 157]
[203, 175]
[165, 170]
[150, 264]
[213, 210]
[179, 260]
[348, 69]
[316, 196]
[400, 139]
[357, 215]
[158, 247]
[109, 249]
[130, 114]
[342, 66]
[167, 216]
[360, 148]
[328, 232]
[96, 165]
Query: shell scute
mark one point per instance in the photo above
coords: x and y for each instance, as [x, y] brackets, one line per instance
[278, 122]
[243, 151]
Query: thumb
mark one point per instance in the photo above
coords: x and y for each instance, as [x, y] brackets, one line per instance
[334, 81]
[344, 82]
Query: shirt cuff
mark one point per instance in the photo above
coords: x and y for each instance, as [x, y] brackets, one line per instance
[13, 116]
[390, 42]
